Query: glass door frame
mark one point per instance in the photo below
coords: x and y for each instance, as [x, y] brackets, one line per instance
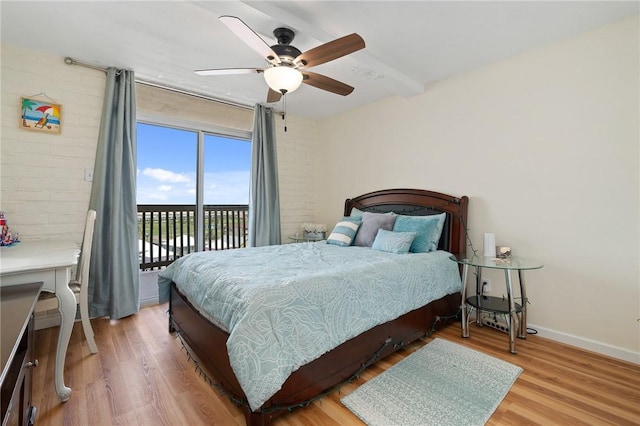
[201, 129]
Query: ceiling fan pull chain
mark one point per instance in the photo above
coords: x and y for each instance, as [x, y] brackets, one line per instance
[284, 114]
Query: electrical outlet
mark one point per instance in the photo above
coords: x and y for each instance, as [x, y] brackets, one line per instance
[486, 286]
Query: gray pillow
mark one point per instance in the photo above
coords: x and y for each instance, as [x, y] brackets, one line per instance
[371, 223]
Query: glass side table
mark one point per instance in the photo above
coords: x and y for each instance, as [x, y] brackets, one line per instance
[302, 239]
[516, 312]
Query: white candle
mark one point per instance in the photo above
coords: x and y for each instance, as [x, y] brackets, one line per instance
[489, 244]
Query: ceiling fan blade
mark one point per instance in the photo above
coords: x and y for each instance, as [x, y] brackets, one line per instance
[273, 96]
[326, 83]
[332, 50]
[229, 71]
[251, 38]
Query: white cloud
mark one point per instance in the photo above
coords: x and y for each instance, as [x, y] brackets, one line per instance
[174, 188]
[165, 175]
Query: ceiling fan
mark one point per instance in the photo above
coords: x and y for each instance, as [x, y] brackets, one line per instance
[286, 68]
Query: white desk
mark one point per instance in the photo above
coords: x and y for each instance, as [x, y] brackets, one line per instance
[49, 262]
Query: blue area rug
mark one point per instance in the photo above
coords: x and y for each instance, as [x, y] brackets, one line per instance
[441, 384]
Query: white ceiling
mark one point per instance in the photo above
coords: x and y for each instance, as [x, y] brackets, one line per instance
[409, 44]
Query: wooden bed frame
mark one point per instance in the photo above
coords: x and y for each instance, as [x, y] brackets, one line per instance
[207, 342]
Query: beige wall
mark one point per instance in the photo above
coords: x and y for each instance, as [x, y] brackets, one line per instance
[546, 146]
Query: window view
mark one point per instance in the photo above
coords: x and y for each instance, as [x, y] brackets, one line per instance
[227, 163]
[184, 207]
[226, 182]
[167, 160]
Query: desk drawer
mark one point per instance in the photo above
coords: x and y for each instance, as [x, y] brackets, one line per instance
[47, 278]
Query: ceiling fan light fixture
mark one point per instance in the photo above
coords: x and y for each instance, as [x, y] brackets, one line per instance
[283, 79]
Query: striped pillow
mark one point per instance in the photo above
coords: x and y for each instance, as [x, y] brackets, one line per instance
[343, 233]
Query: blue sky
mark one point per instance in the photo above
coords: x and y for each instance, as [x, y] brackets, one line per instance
[167, 167]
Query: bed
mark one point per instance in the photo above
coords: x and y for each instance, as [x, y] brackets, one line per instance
[269, 360]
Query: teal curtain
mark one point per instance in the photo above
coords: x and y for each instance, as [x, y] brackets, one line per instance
[264, 198]
[114, 278]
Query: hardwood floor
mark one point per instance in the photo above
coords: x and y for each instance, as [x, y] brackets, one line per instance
[141, 376]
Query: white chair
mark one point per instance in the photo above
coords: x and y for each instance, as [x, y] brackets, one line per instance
[78, 285]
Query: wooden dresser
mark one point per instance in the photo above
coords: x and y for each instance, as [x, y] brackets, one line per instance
[16, 353]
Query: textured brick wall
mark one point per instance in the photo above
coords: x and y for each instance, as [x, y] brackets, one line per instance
[42, 189]
[297, 165]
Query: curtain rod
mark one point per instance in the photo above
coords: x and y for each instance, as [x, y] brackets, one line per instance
[71, 61]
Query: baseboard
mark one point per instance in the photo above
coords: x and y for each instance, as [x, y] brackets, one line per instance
[46, 319]
[587, 344]
[149, 301]
[499, 323]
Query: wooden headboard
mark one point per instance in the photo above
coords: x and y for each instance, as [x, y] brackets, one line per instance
[418, 202]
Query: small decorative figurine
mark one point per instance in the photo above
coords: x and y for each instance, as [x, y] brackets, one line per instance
[7, 237]
[503, 252]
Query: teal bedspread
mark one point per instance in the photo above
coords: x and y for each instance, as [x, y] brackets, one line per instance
[286, 305]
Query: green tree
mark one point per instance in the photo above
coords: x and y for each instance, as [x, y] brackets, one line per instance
[27, 104]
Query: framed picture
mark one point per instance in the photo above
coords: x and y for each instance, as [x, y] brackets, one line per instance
[41, 116]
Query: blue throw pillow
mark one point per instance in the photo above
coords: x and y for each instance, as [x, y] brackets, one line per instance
[427, 228]
[343, 233]
[393, 242]
[357, 213]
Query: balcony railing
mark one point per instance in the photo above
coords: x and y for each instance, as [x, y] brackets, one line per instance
[167, 232]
